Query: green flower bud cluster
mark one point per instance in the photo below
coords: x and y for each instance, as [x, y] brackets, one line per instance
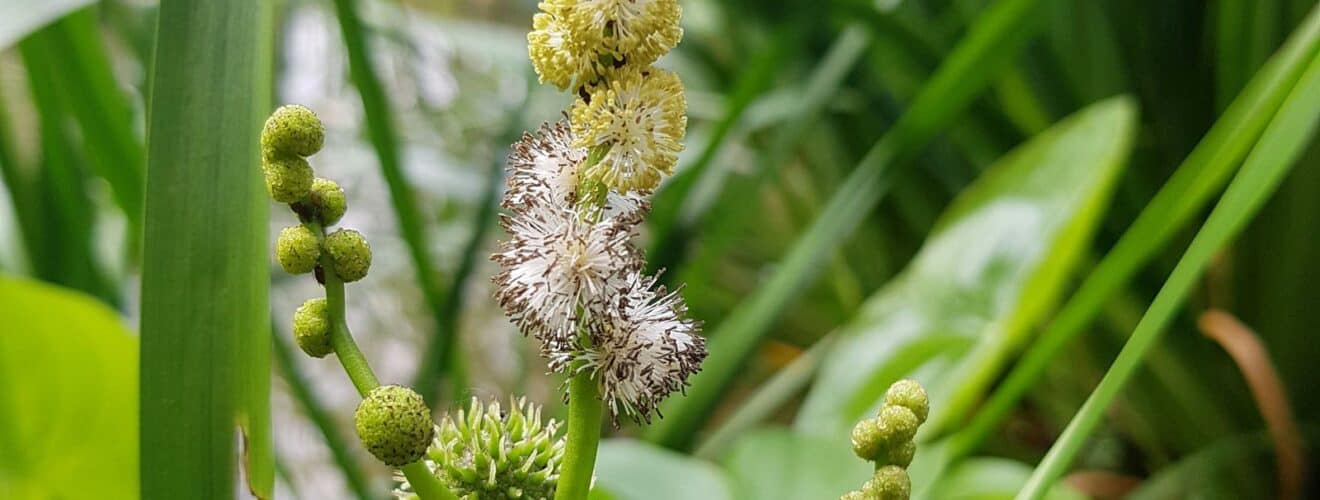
[887, 440]
[491, 454]
[394, 424]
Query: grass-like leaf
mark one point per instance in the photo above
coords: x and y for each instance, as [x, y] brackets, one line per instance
[205, 363]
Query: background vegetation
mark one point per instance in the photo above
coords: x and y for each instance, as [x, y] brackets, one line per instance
[995, 197]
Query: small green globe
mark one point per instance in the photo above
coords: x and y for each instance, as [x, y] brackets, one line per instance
[311, 328]
[349, 253]
[293, 130]
[394, 424]
[288, 178]
[297, 249]
[897, 424]
[327, 201]
[909, 394]
[867, 441]
[900, 455]
[889, 483]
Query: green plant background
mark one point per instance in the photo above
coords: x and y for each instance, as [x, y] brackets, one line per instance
[990, 196]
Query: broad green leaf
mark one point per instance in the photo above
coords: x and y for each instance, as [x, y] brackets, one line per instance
[993, 265]
[68, 411]
[205, 273]
[777, 464]
[18, 18]
[991, 479]
[633, 470]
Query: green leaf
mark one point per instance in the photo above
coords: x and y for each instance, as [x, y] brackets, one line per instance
[991, 479]
[632, 470]
[205, 276]
[1282, 142]
[994, 264]
[18, 18]
[777, 464]
[68, 414]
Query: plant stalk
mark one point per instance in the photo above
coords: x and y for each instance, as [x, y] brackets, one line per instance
[584, 418]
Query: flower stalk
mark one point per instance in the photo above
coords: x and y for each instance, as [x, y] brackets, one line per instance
[584, 419]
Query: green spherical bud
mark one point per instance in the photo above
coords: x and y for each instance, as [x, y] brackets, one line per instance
[889, 483]
[311, 328]
[867, 441]
[293, 130]
[897, 424]
[394, 424]
[288, 179]
[349, 253]
[297, 249]
[899, 455]
[327, 201]
[854, 495]
[909, 394]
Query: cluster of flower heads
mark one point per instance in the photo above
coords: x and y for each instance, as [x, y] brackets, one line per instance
[887, 441]
[489, 453]
[570, 275]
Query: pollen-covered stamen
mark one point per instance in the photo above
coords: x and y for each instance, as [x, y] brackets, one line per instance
[638, 30]
[545, 169]
[643, 347]
[554, 263]
[641, 118]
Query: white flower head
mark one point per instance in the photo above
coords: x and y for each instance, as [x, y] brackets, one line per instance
[546, 169]
[555, 263]
[643, 348]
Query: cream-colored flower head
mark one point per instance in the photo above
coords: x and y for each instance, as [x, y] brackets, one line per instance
[641, 118]
[559, 56]
[635, 31]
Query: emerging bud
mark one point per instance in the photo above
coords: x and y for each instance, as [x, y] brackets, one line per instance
[327, 201]
[909, 394]
[867, 441]
[487, 453]
[854, 495]
[889, 483]
[297, 249]
[899, 455]
[293, 130]
[394, 424]
[897, 424]
[350, 254]
[288, 178]
[311, 328]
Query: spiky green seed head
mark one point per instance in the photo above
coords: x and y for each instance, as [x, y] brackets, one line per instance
[327, 201]
[900, 455]
[297, 249]
[311, 328]
[867, 441]
[293, 130]
[394, 424]
[889, 483]
[349, 253]
[897, 424]
[485, 453]
[909, 394]
[288, 178]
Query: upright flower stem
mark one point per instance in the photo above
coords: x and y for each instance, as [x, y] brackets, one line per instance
[584, 417]
[423, 482]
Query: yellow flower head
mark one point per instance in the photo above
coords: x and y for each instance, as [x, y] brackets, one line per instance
[635, 31]
[559, 57]
[640, 116]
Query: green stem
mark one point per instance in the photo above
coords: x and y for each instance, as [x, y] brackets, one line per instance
[584, 417]
[424, 483]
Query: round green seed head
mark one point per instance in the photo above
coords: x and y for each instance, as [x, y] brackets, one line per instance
[909, 394]
[293, 130]
[867, 441]
[349, 253]
[899, 455]
[889, 483]
[897, 424]
[288, 178]
[394, 424]
[311, 328]
[327, 201]
[297, 249]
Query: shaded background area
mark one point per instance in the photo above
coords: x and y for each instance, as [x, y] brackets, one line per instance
[785, 100]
